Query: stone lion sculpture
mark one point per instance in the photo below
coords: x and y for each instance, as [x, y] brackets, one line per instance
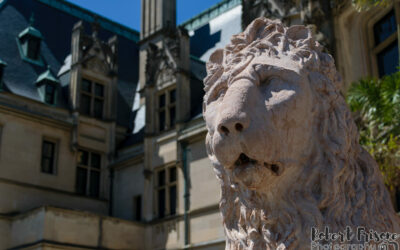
[284, 145]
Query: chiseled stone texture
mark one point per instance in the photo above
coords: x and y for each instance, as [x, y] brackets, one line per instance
[284, 145]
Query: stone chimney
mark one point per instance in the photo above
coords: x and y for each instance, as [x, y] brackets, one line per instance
[157, 15]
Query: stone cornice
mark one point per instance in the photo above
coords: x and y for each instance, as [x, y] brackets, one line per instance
[48, 189]
[28, 109]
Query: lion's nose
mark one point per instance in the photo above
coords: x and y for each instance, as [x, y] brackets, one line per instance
[233, 112]
[232, 124]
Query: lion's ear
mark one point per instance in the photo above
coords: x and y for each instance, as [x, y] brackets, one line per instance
[217, 57]
[298, 32]
[214, 68]
[215, 61]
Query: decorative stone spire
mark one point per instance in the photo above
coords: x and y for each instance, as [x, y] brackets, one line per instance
[95, 28]
[32, 19]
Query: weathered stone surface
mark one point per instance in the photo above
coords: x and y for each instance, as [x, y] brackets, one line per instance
[284, 145]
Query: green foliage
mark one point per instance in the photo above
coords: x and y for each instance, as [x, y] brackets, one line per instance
[376, 106]
[366, 4]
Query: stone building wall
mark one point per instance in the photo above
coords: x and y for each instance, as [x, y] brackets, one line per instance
[129, 170]
[56, 228]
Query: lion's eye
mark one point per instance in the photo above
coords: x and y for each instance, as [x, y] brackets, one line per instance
[220, 93]
[269, 80]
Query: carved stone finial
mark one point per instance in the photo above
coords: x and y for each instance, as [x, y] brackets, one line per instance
[152, 63]
[95, 27]
[284, 145]
[32, 19]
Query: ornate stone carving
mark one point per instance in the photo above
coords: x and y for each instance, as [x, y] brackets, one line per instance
[153, 60]
[165, 59]
[98, 55]
[316, 13]
[258, 8]
[284, 145]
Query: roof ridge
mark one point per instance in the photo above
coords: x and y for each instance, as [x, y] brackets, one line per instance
[197, 59]
[210, 13]
[90, 16]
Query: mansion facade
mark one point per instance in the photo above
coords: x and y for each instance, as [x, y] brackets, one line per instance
[101, 127]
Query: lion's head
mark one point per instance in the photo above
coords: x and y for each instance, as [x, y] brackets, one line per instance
[283, 142]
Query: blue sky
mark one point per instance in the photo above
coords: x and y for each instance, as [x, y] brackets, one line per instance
[127, 12]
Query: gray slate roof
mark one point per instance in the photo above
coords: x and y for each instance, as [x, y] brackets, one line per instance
[54, 20]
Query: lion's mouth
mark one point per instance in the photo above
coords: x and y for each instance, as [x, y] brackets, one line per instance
[244, 161]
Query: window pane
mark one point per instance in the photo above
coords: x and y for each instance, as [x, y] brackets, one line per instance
[161, 101]
[33, 48]
[86, 85]
[99, 90]
[388, 59]
[49, 94]
[94, 183]
[172, 116]
[96, 161]
[172, 200]
[162, 120]
[85, 104]
[161, 178]
[48, 149]
[98, 108]
[385, 27]
[49, 89]
[47, 166]
[172, 96]
[83, 157]
[24, 45]
[161, 203]
[47, 157]
[138, 208]
[172, 174]
[81, 175]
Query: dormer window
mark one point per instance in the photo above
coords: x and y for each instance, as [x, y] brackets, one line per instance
[49, 94]
[29, 41]
[48, 85]
[31, 47]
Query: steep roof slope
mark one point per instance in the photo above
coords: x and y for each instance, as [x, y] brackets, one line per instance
[214, 27]
[209, 30]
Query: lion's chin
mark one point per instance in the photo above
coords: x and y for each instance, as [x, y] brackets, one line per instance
[252, 173]
[249, 175]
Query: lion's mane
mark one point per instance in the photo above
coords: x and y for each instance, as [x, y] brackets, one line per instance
[340, 185]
